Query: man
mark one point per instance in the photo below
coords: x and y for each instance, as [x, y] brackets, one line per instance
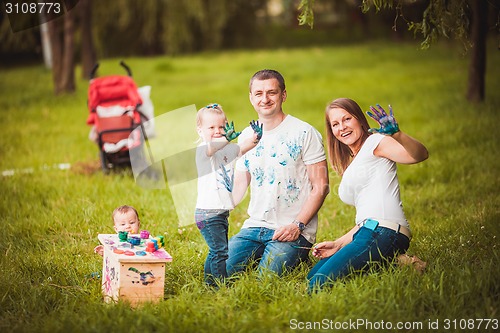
[288, 178]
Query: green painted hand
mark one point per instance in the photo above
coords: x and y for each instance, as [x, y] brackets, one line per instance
[230, 134]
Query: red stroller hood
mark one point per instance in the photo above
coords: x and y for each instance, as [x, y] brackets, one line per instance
[114, 90]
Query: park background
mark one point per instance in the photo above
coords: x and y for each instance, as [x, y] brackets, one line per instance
[55, 199]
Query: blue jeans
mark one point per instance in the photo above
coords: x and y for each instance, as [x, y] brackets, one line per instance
[256, 244]
[214, 226]
[367, 246]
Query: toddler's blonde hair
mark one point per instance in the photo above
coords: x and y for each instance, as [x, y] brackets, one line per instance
[213, 108]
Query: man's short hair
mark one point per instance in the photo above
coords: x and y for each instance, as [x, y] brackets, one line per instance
[267, 74]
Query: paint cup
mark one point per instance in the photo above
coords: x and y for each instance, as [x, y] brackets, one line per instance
[150, 247]
[144, 234]
[123, 235]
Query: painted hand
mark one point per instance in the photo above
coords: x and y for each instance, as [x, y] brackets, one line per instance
[257, 128]
[388, 124]
[230, 134]
[325, 249]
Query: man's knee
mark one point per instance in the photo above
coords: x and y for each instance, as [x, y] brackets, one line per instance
[277, 263]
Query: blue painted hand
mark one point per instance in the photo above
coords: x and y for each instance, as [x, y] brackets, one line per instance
[388, 124]
[257, 128]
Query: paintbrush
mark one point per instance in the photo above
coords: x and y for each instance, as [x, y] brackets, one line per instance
[301, 247]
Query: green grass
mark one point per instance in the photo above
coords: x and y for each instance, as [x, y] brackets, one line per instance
[50, 218]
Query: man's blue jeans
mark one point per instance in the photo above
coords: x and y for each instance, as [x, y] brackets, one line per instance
[367, 246]
[257, 244]
[214, 226]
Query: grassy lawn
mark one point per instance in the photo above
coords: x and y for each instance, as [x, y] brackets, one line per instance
[50, 218]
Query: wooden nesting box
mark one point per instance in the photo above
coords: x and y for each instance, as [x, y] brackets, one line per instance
[131, 273]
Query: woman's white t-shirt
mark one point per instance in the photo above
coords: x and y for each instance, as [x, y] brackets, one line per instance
[370, 184]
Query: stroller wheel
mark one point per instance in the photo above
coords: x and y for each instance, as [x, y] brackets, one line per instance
[104, 162]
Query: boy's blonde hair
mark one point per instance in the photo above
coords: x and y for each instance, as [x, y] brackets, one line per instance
[123, 210]
[211, 108]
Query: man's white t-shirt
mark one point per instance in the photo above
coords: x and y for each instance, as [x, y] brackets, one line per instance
[370, 183]
[279, 182]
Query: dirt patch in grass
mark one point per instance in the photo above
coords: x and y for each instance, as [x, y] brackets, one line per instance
[86, 168]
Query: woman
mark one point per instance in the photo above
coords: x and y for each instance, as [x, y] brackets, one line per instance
[367, 164]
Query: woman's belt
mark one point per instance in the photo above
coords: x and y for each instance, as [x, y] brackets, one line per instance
[372, 224]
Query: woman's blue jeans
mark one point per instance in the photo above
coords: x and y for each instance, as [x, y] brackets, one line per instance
[367, 246]
[213, 225]
[256, 244]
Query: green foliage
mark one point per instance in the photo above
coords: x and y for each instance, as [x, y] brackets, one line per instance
[172, 27]
[441, 18]
[128, 27]
[379, 4]
[20, 41]
[306, 15]
[50, 218]
[444, 18]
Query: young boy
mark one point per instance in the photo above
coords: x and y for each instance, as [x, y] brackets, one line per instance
[125, 218]
[215, 158]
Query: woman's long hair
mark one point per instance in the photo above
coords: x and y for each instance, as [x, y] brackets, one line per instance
[339, 154]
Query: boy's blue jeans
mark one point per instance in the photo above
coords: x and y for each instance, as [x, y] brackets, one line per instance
[213, 225]
[367, 246]
[256, 243]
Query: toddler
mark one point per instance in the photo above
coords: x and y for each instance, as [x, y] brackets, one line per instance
[215, 157]
[125, 218]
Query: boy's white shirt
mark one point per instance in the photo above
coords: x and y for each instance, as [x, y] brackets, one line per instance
[215, 177]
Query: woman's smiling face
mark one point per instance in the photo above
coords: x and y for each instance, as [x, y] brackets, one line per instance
[346, 128]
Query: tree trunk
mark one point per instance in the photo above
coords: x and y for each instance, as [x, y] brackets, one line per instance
[61, 35]
[477, 65]
[54, 28]
[45, 39]
[88, 51]
[68, 68]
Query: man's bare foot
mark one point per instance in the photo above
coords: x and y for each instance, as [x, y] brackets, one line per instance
[414, 261]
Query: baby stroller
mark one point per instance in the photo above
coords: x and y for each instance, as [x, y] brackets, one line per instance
[113, 103]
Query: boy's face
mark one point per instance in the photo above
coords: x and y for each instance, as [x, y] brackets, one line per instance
[212, 126]
[127, 222]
